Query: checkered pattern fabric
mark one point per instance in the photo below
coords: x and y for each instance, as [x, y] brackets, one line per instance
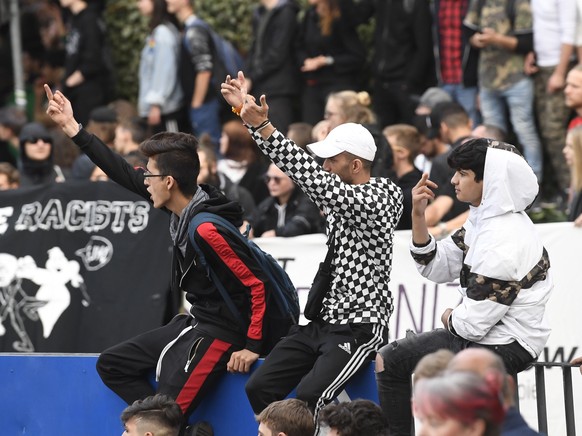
[363, 218]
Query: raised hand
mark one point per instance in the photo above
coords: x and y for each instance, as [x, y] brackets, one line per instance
[61, 112]
[234, 91]
[254, 114]
[422, 193]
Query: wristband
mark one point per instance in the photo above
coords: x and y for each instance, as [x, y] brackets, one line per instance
[262, 125]
[236, 110]
[425, 244]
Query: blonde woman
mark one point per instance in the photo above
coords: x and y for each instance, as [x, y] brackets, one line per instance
[354, 107]
[349, 107]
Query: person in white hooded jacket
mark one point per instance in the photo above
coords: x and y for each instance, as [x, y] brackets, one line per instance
[499, 260]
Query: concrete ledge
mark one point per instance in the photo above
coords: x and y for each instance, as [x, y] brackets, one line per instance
[62, 394]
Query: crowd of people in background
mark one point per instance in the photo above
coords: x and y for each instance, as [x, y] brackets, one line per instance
[509, 66]
[448, 83]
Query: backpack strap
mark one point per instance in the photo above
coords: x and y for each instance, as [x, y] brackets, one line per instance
[207, 217]
[199, 22]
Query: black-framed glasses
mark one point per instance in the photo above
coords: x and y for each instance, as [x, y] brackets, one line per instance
[147, 174]
[275, 179]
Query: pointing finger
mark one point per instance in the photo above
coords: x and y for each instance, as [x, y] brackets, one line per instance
[49, 93]
[422, 180]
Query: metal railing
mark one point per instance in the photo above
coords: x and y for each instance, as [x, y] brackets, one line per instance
[540, 379]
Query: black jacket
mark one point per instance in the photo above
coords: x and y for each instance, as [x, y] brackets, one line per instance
[271, 63]
[243, 279]
[86, 46]
[302, 216]
[403, 48]
[33, 172]
[343, 45]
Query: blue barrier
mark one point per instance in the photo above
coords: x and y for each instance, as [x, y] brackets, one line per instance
[60, 395]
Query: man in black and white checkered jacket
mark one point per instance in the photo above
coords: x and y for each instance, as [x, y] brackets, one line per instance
[361, 213]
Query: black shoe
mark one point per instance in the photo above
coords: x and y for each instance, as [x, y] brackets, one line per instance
[201, 428]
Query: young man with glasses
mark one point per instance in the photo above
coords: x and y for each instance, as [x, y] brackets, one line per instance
[318, 359]
[191, 352]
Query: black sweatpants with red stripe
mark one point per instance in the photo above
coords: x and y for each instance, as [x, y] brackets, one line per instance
[190, 366]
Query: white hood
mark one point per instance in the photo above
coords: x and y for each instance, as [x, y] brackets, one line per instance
[509, 183]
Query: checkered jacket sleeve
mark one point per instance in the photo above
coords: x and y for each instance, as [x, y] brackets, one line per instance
[363, 218]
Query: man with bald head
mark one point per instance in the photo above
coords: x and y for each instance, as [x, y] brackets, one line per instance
[483, 361]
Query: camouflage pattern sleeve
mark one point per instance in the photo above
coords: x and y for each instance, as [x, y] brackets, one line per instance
[480, 287]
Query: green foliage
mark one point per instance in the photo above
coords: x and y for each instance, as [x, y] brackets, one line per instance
[366, 32]
[126, 31]
[230, 18]
[547, 213]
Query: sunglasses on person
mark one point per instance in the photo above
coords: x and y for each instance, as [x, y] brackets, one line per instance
[276, 179]
[35, 139]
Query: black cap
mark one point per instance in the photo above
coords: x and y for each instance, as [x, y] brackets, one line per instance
[422, 123]
[103, 114]
[13, 118]
[433, 96]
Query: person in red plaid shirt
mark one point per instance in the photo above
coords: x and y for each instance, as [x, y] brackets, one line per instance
[456, 61]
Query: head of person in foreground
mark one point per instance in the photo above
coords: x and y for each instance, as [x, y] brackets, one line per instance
[459, 403]
[157, 415]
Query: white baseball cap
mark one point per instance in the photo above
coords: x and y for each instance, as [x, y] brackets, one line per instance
[351, 137]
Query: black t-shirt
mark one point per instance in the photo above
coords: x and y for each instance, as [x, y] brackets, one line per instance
[406, 183]
[442, 174]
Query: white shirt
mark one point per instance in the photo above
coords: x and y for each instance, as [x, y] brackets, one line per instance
[554, 24]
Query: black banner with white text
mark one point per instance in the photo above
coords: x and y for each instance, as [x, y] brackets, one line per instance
[83, 265]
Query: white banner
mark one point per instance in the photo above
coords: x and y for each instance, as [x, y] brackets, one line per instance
[419, 304]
